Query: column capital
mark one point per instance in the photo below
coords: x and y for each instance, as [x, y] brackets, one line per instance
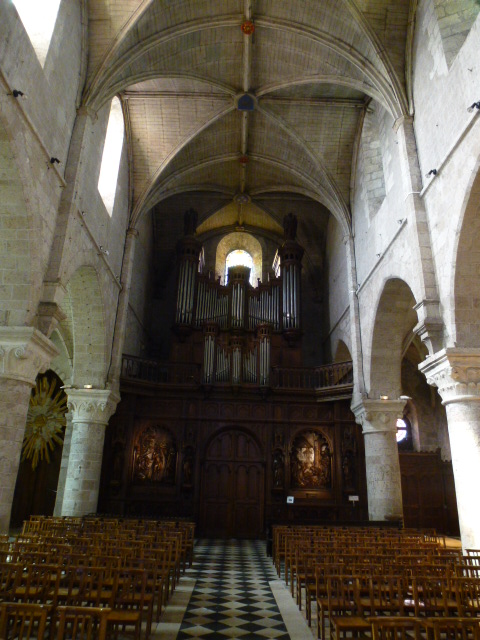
[94, 406]
[24, 353]
[456, 374]
[378, 416]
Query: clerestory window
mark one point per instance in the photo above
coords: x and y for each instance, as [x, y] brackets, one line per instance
[112, 152]
[236, 258]
[39, 19]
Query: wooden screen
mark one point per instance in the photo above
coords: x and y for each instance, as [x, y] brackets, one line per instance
[233, 480]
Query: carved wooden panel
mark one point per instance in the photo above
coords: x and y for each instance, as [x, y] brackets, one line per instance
[232, 500]
[427, 491]
[154, 456]
[311, 461]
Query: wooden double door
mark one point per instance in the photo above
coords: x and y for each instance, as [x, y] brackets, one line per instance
[233, 487]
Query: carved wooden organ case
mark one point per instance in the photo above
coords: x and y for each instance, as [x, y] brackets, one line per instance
[238, 321]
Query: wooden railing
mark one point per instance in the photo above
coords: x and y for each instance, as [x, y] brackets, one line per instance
[330, 376]
[326, 376]
[159, 372]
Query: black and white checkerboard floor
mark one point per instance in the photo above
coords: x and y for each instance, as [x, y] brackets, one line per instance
[232, 591]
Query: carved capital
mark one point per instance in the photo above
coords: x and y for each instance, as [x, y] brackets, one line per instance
[378, 416]
[94, 406]
[456, 374]
[24, 353]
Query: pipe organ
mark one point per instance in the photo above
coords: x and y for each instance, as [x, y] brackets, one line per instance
[239, 322]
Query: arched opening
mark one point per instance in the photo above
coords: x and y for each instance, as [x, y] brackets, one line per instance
[112, 153]
[236, 258]
[245, 244]
[37, 479]
[394, 322]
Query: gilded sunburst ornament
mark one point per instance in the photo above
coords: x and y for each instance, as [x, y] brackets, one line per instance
[45, 421]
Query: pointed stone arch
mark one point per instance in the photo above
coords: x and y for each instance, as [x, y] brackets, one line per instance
[394, 319]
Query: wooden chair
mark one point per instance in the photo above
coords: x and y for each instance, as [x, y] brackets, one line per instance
[431, 595]
[386, 596]
[82, 623]
[345, 612]
[131, 601]
[97, 588]
[10, 575]
[395, 628]
[23, 620]
[39, 584]
[451, 628]
[467, 591]
[323, 572]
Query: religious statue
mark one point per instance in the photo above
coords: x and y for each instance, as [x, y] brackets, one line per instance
[290, 226]
[188, 468]
[190, 219]
[278, 470]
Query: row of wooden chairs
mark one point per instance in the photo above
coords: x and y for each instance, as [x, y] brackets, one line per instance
[356, 574]
[348, 602]
[363, 540]
[125, 591]
[30, 621]
[126, 574]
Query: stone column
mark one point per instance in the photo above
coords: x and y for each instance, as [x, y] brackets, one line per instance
[24, 352]
[62, 476]
[378, 419]
[90, 409]
[456, 373]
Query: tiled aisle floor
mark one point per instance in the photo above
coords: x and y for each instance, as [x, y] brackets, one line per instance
[232, 591]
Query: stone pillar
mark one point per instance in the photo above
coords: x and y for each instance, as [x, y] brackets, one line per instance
[24, 352]
[90, 410]
[456, 373]
[378, 419]
[62, 476]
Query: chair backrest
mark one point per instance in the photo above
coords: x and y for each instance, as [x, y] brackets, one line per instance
[467, 592]
[395, 628]
[23, 620]
[430, 595]
[455, 628]
[82, 623]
